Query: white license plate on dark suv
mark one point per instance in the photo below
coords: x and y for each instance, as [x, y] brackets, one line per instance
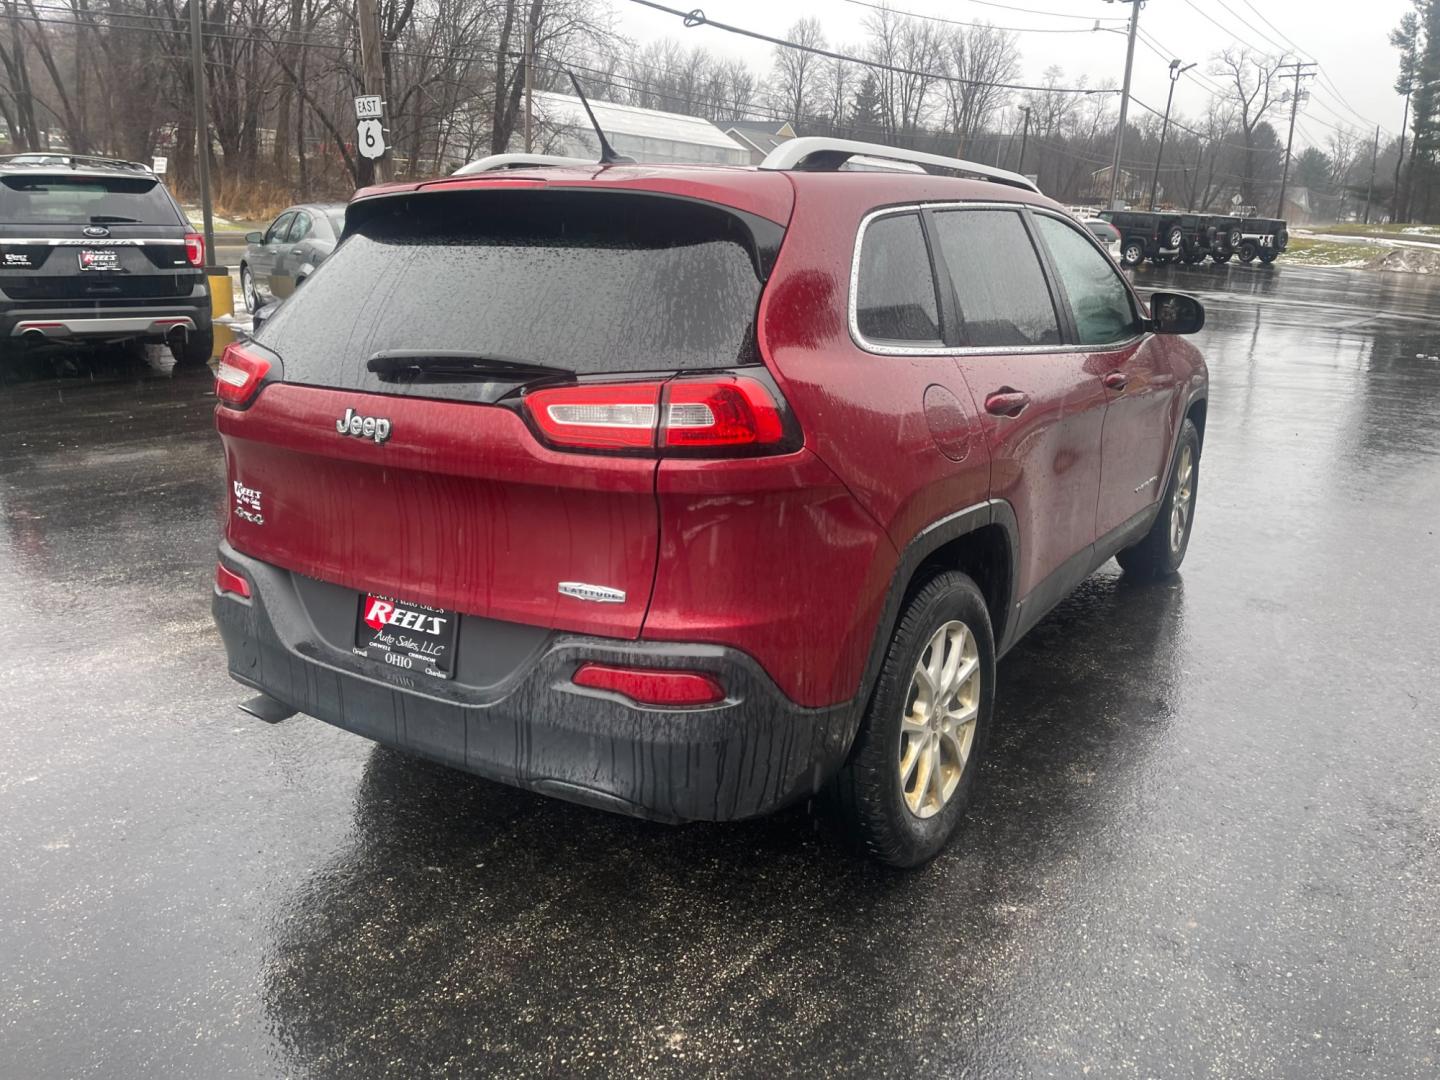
[407, 636]
[103, 259]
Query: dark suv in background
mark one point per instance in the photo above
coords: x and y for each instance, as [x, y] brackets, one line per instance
[94, 251]
[690, 492]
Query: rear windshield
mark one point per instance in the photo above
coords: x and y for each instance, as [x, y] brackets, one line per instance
[586, 282]
[99, 200]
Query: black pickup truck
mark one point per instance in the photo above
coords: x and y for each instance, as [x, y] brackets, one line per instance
[95, 250]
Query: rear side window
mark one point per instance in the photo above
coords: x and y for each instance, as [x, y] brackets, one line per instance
[586, 282]
[1098, 298]
[895, 296]
[93, 200]
[1000, 290]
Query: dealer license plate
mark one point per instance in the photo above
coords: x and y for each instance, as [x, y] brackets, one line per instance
[407, 636]
[103, 259]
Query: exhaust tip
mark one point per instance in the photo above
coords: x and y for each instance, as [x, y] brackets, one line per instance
[34, 333]
[264, 707]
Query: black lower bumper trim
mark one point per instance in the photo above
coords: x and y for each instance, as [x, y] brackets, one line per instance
[751, 754]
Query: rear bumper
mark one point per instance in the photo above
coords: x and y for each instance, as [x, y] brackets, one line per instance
[24, 322]
[531, 726]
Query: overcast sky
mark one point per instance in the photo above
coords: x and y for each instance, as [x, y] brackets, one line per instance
[1350, 42]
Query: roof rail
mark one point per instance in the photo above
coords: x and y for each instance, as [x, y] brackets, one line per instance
[500, 162]
[49, 159]
[814, 154]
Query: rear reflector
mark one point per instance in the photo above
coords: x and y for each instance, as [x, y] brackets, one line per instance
[711, 416]
[227, 581]
[194, 249]
[647, 686]
[238, 378]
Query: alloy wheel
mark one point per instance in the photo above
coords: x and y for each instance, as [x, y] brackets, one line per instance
[1184, 501]
[941, 710]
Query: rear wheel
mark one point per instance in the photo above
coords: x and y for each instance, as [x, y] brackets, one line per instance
[1133, 253]
[1267, 257]
[194, 350]
[912, 770]
[1162, 550]
[1248, 251]
[1221, 258]
[1194, 257]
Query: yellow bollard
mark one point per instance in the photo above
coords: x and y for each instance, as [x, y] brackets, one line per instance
[222, 302]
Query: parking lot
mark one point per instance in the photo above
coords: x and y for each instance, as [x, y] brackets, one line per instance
[1207, 842]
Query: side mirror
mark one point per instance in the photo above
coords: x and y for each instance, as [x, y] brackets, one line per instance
[254, 238]
[1175, 313]
[262, 315]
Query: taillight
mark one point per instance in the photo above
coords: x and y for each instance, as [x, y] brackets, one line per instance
[195, 249]
[228, 581]
[619, 416]
[238, 378]
[651, 686]
[721, 413]
[712, 416]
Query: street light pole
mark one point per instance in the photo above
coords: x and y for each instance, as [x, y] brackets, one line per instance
[1175, 72]
[202, 129]
[1124, 100]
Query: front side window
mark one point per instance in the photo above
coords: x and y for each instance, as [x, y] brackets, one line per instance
[278, 228]
[300, 228]
[1099, 299]
[1000, 290]
[895, 296]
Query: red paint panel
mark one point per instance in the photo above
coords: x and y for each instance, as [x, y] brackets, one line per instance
[459, 508]
[773, 556]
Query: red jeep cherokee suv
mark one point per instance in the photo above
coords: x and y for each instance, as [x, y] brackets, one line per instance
[689, 492]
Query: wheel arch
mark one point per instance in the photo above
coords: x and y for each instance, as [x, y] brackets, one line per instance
[982, 541]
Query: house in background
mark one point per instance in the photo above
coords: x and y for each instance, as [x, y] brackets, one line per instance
[643, 134]
[1131, 188]
[759, 136]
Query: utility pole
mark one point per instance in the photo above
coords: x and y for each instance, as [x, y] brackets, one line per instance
[1298, 73]
[1024, 139]
[529, 84]
[1124, 100]
[1400, 158]
[202, 129]
[1175, 72]
[372, 69]
[1374, 160]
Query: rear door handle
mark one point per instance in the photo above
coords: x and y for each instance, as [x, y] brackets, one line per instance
[297, 251]
[1116, 380]
[1007, 401]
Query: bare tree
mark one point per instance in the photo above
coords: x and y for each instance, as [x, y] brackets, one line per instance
[978, 57]
[796, 74]
[1252, 86]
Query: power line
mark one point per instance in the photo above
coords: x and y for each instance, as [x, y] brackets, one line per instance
[984, 25]
[697, 17]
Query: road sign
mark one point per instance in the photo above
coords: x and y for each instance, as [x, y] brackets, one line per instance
[368, 107]
[158, 165]
[370, 138]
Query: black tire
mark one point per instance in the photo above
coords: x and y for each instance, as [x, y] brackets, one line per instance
[1160, 554]
[1132, 253]
[248, 293]
[194, 351]
[1161, 260]
[1221, 258]
[1267, 257]
[869, 794]
[1248, 251]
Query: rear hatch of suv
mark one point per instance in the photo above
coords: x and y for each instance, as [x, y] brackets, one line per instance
[459, 410]
[71, 235]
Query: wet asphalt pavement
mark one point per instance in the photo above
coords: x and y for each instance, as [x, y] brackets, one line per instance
[1206, 843]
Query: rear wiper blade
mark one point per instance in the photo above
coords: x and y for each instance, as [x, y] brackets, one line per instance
[112, 219]
[447, 365]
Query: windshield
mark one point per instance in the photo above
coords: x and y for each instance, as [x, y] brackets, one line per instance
[63, 199]
[586, 282]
